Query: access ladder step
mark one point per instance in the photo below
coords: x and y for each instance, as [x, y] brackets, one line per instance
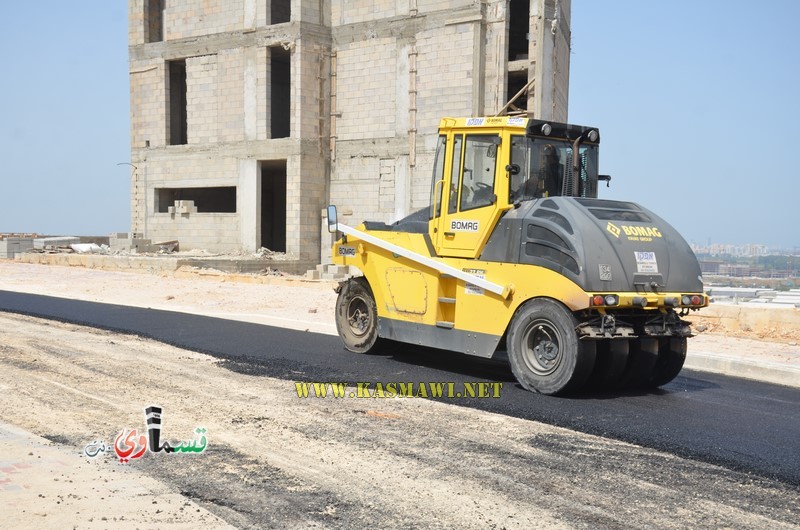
[447, 300]
[446, 325]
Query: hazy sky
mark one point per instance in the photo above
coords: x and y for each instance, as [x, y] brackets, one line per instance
[64, 123]
[696, 101]
[698, 105]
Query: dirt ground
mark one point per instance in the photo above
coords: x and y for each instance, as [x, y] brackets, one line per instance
[276, 460]
[711, 325]
[287, 302]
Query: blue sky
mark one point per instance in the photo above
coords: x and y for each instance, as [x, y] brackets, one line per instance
[64, 124]
[697, 105]
[696, 101]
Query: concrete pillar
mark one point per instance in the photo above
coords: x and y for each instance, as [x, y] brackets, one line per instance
[549, 47]
[250, 93]
[248, 204]
[478, 62]
[249, 14]
[402, 188]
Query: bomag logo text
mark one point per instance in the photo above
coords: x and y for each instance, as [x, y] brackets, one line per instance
[463, 226]
[634, 233]
[641, 231]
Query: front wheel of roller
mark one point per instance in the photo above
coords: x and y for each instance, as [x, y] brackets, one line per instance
[544, 351]
[357, 317]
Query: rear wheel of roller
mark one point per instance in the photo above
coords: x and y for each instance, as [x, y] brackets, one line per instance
[612, 358]
[671, 356]
[642, 359]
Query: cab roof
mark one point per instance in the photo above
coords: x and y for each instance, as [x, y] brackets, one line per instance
[532, 127]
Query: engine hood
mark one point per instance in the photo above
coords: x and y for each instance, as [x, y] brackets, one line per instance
[602, 245]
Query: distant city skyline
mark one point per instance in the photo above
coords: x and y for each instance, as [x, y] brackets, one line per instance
[725, 249]
[747, 250]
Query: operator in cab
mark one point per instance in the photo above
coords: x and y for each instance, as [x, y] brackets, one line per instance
[541, 175]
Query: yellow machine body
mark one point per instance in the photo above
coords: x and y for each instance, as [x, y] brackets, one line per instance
[419, 302]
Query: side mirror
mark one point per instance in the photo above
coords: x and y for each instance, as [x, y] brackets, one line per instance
[606, 178]
[332, 219]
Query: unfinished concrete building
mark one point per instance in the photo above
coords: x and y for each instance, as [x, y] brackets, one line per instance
[248, 117]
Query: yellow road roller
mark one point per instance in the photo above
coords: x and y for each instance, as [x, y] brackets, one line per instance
[516, 253]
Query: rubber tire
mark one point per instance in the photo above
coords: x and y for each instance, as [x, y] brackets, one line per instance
[356, 295]
[573, 361]
[612, 359]
[671, 356]
[641, 363]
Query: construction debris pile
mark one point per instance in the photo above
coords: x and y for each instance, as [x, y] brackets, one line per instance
[116, 243]
[34, 248]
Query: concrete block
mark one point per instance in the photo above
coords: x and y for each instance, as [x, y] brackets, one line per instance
[62, 241]
[10, 247]
[25, 243]
[184, 207]
[119, 243]
[142, 245]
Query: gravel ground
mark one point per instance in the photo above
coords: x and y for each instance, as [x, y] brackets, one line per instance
[276, 460]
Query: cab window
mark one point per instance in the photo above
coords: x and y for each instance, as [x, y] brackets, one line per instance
[438, 179]
[524, 181]
[539, 167]
[453, 203]
[544, 169]
[480, 164]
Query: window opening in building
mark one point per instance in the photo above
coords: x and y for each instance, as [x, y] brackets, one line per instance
[220, 199]
[516, 82]
[177, 133]
[273, 205]
[154, 21]
[280, 11]
[518, 29]
[280, 92]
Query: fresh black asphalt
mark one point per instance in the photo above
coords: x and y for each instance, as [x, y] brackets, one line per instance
[744, 425]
